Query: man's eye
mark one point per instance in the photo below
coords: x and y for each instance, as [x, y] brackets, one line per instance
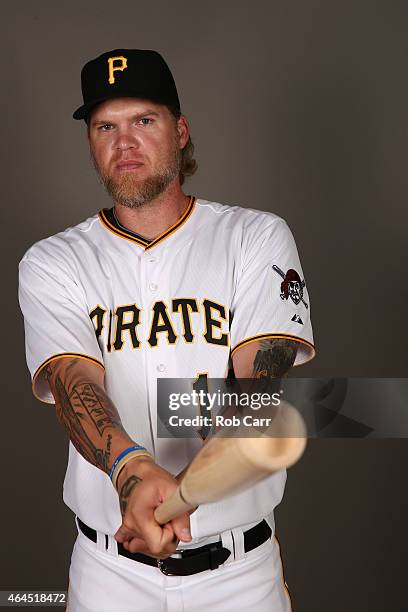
[105, 127]
[146, 120]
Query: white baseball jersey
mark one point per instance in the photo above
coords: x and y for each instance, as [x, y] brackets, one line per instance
[177, 306]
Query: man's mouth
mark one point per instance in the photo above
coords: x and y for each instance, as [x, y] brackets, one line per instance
[128, 164]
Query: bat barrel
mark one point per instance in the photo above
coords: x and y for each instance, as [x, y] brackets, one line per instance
[226, 466]
[281, 445]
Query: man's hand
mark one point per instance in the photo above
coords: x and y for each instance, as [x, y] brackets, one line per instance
[142, 486]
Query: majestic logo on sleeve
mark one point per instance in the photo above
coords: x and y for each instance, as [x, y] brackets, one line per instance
[291, 286]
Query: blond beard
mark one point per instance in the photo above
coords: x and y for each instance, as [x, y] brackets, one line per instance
[133, 192]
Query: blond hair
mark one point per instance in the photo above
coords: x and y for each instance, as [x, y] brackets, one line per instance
[188, 164]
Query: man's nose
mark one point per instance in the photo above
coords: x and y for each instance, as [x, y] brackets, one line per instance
[126, 141]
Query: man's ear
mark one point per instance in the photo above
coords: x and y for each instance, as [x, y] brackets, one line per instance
[183, 130]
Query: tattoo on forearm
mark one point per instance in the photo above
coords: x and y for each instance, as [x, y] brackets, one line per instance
[101, 410]
[125, 491]
[274, 358]
[85, 410]
[74, 421]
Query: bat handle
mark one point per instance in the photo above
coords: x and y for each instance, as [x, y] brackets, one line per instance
[172, 507]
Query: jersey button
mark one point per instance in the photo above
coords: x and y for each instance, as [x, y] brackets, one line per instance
[152, 259]
[161, 367]
[153, 287]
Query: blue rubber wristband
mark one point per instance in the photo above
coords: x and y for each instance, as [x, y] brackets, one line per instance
[123, 454]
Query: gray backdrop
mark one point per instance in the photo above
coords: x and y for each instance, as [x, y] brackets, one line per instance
[296, 107]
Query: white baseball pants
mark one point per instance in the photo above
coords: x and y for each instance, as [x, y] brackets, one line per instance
[103, 581]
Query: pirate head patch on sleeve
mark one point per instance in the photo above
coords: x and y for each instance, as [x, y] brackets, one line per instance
[291, 286]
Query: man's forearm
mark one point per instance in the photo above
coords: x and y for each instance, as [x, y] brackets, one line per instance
[84, 408]
[274, 358]
[96, 431]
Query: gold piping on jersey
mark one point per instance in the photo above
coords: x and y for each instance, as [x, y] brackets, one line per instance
[60, 356]
[285, 585]
[112, 226]
[283, 336]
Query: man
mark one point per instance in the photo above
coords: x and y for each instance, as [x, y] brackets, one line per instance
[160, 285]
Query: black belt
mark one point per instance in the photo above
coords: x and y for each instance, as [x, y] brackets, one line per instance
[192, 560]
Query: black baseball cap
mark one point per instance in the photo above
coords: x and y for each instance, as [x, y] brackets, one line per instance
[124, 73]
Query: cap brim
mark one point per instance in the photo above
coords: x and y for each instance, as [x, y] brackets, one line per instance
[83, 111]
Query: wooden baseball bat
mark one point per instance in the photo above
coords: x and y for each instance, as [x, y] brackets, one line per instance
[225, 466]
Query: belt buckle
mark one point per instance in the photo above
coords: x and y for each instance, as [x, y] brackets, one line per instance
[163, 569]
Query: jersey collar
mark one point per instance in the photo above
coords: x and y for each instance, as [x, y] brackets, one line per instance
[108, 219]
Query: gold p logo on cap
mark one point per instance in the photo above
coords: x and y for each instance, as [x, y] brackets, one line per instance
[113, 68]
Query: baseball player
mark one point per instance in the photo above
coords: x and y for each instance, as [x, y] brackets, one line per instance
[162, 284]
